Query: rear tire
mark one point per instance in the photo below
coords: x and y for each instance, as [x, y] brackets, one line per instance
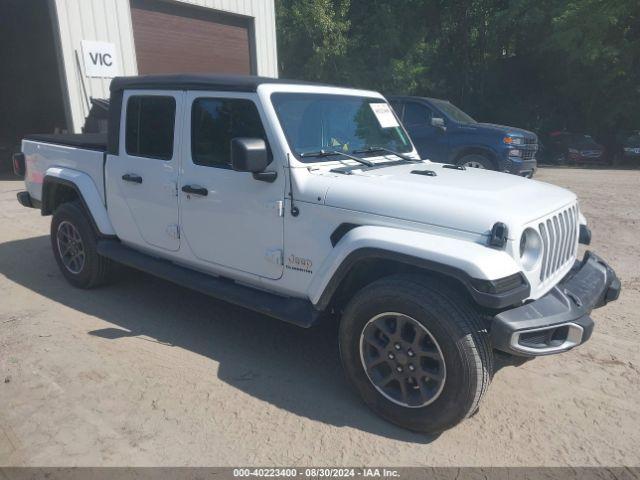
[476, 160]
[74, 240]
[445, 323]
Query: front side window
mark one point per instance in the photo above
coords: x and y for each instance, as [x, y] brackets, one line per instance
[313, 122]
[453, 112]
[150, 126]
[215, 122]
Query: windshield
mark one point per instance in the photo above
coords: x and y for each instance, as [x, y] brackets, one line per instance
[320, 122]
[453, 112]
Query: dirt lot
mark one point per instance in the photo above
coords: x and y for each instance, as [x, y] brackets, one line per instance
[147, 373]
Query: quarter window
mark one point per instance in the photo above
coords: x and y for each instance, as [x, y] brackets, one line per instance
[215, 122]
[150, 126]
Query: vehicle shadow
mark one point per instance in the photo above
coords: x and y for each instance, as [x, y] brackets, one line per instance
[292, 368]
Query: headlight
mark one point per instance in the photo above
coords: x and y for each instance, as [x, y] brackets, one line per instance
[512, 140]
[530, 248]
[515, 152]
[628, 149]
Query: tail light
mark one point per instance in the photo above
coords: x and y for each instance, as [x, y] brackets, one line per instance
[19, 164]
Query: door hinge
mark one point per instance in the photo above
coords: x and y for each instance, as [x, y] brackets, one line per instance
[275, 256]
[278, 206]
[173, 231]
[171, 188]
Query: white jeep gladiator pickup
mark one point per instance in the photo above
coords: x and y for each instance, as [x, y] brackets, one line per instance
[306, 201]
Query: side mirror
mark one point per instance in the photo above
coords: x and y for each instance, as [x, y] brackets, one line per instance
[438, 123]
[249, 155]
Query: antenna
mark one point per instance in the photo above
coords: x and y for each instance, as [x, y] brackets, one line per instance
[294, 210]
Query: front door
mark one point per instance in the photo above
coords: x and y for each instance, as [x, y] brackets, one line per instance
[229, 218]
[142, 180]
[430, 141]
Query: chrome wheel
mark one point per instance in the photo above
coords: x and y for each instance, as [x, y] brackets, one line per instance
[402, 360]
[473, 164]
[70, 247]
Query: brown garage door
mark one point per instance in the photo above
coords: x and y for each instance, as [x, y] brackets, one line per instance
[173, 38]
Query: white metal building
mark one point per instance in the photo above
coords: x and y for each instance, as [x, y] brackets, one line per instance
[58, 54]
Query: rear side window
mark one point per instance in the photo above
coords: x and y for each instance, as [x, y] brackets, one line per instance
[215, 122]
[416, 114]
[150, 126]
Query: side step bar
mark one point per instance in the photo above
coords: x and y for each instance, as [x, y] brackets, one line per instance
[292, 310]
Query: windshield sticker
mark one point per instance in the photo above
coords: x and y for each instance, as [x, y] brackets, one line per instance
[385, 116]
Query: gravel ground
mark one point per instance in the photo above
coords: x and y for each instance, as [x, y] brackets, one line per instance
[146, 373]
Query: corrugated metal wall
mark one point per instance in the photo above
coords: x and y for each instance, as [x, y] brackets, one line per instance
[110, 21]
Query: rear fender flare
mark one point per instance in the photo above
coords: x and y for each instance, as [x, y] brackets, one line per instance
[87, 192]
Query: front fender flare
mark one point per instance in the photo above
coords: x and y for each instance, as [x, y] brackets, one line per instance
[87, 191]
[463, 260]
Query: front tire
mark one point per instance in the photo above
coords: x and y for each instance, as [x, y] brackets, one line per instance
[476, 160]
[416, 352]
[73, 240]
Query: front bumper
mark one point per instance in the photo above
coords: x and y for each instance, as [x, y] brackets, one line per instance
[559, 320]
[523, 168]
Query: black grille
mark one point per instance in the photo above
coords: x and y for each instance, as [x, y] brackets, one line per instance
[535, 339]
[551, 337]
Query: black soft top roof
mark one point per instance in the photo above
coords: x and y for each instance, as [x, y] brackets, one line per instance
[233, 83]
[185, 81]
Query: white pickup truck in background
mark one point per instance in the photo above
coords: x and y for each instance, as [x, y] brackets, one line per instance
[302, 201]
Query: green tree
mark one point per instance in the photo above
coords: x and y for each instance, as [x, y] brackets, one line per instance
[539, 64]
[312, 37]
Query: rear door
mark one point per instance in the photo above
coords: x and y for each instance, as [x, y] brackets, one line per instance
[229, 218]
[142, 181]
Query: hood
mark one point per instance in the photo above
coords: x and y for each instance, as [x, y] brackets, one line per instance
[504, 129]
[470, 200]
[632, 142]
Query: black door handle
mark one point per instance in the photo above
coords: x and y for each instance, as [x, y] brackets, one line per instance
[192, 189]
[133, 178]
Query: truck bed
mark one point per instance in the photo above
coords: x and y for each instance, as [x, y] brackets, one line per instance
[86, 141]
[77, 154]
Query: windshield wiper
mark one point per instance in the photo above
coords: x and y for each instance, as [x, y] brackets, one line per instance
[331, 153]
[383, 149]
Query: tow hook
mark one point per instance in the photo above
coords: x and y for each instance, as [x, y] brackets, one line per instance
[573, 297]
